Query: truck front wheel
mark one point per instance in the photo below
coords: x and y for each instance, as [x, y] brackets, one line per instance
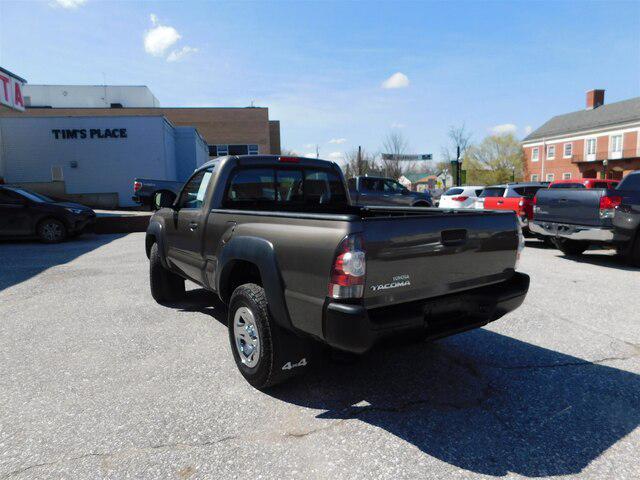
[166, 287]
[265, 353]
[570, 247]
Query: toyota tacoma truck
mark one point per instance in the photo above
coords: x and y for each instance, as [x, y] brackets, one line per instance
[575, 218]
[277, 239]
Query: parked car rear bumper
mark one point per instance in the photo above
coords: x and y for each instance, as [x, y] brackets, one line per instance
[572, 232]
[355, 329]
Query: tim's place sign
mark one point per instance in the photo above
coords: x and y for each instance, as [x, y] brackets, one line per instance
[79, 133]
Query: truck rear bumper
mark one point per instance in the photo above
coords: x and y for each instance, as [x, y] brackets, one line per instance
[355, 329]
[572, 232]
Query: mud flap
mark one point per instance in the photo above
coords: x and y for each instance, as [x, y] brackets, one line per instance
[292, 355]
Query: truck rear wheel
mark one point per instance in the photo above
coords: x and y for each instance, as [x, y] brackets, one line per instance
[166, 287]
[265, 353]
[570, 247]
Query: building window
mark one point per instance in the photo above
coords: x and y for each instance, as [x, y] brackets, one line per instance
[568, 150]
[222, 150]
[534, 177]
[566, 176]
[591, 148]
[550, 177]
[535, 154]
[615, 146]
[551, 152]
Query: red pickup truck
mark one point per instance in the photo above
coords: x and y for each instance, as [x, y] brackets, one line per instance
[585, 183]
[511, 196]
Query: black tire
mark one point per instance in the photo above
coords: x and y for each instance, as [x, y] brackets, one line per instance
[570, 247]
[280, 354]
[166, 287]
[51, 230]
[633, 258]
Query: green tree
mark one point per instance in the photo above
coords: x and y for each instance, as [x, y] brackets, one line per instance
[498, 159]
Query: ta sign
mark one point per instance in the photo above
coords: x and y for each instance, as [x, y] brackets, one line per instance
[11, 91]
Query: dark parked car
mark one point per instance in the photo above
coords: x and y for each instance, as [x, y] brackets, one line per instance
[277, 240]
[385, 191]
[575, 218]
[28, 214]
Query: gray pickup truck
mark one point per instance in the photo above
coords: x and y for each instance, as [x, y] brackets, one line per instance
[278, 241]
[152, 193]
[575, 218]
[385, 191]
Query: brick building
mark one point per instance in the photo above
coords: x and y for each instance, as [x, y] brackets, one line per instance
[601, 141]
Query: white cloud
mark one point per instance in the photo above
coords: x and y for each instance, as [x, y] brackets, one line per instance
[397, 125]
[397, 80]
[336, 156]
[159, 38]
[179, 54]
[504, 129]
[310, 155]
[338, 140]
[527, 130]
[69, 4]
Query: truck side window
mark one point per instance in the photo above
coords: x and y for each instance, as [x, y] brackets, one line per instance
[192, 195]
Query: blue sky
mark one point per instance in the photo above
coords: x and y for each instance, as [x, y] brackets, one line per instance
[320, 66]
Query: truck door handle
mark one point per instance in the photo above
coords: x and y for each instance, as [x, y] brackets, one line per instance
[500, 202]
[562, 200]
[193, 226]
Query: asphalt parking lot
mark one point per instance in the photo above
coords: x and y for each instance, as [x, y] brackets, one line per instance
[98, 381]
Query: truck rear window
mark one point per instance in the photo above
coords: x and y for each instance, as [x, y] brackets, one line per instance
[288, 188]
[492, 192]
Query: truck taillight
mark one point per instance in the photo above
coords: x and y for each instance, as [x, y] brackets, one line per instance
[461, 198]
[137, 186]
[608, 205]
[348, 270]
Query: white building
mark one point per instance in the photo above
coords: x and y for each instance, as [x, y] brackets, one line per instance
[88, 96]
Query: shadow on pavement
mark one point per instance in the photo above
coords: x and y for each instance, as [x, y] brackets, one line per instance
[482, 402]
[22, 259]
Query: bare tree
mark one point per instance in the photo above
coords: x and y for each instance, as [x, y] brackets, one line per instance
[358, 162]
[395, 143]
[459, 137]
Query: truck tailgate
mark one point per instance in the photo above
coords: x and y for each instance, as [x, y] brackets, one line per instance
[569, 205]
[418, 257]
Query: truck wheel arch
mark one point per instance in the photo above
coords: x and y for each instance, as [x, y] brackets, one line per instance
[252, 254]
[155, 235]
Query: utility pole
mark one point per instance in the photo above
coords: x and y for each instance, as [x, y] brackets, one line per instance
[317, 151]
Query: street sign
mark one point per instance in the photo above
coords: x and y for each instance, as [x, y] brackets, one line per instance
[411, 157]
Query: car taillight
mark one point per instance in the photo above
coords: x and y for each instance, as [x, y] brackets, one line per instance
[289, 159]
[608, 205]
[461, 198]
[349, 266]
[535, 200]
[137, 186]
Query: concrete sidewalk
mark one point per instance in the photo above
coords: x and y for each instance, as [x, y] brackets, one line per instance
[121, 221]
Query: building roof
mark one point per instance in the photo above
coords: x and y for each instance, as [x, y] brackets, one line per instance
[602, 116]
[414, 177]
[11, 74]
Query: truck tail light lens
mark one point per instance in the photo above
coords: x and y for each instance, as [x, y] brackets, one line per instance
[461, 198]
[137, 186]
[348, 270]
[608, 205]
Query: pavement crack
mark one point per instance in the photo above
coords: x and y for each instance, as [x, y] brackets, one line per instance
[578, 363]
[151, 448]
